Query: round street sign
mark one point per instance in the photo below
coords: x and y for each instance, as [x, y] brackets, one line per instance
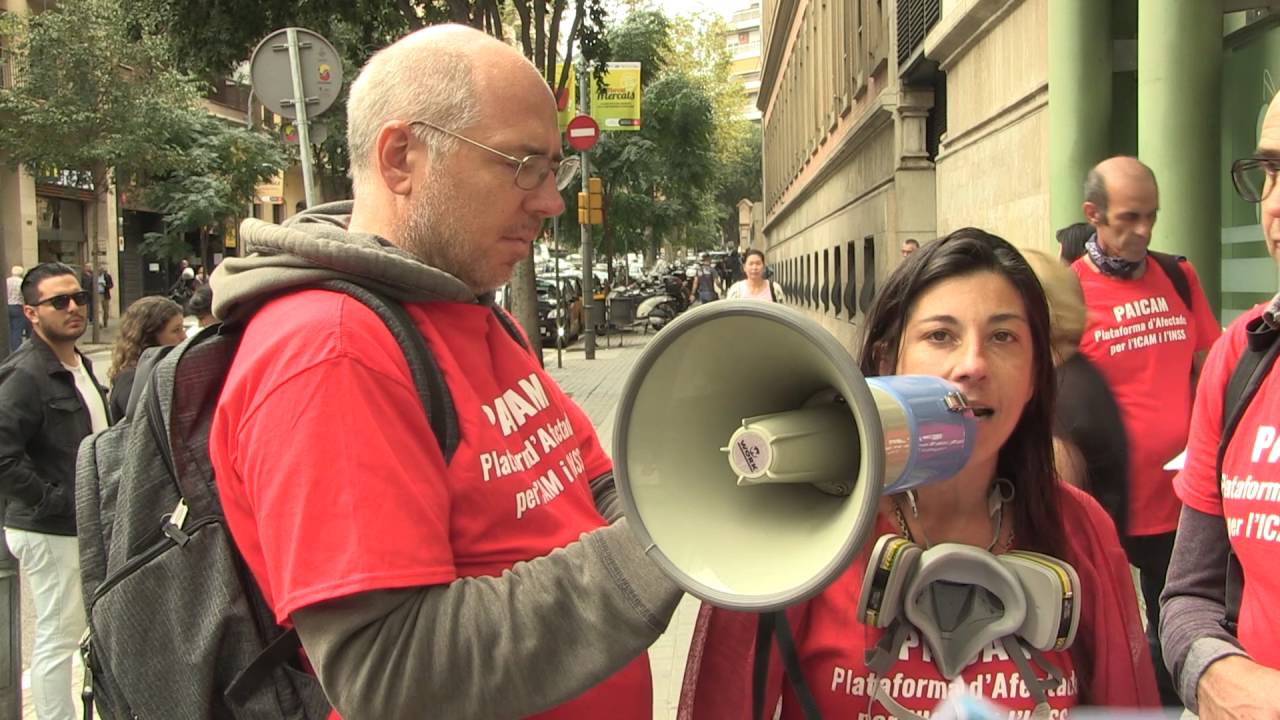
[272, 78]
[582, 132]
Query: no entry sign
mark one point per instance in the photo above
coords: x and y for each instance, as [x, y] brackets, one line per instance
[582, 132]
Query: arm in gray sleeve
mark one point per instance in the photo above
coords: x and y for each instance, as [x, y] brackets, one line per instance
[1194, 602]
[542, 633]
[605, 494]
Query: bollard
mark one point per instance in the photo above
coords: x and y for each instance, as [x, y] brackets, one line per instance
[10, 633]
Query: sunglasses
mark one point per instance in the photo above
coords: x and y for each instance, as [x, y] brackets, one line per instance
[62, 302]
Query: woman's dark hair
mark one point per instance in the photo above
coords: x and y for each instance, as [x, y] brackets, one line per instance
[1072, 239]
[201, 302]
[1026, 459]
[753, 251]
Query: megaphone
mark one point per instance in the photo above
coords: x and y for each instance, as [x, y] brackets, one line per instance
[750, 454]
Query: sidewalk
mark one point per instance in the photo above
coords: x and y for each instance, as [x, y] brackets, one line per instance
[596, 385]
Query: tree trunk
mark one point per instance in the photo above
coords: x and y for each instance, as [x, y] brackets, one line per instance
[524, 300]
[99, 173]
[650, 248]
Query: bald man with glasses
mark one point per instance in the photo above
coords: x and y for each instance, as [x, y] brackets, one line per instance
[494, 579]
[49, 401]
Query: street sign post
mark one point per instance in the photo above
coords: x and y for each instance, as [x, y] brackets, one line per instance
[583, 139]
[297, 74]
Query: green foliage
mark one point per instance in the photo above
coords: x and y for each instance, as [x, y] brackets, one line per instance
[214, 37]
[680, 178]
[223, 164]
[90, 93]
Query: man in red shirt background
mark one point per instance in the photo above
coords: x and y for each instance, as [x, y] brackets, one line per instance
[1149, 346]
[498, 581]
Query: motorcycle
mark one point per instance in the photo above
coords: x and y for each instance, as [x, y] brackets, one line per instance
[659, 309]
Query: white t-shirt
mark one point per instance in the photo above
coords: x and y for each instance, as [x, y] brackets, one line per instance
[89, 396]
[14, 286]
[741, 290]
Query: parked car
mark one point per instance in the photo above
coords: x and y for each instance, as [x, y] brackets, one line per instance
[560, 316]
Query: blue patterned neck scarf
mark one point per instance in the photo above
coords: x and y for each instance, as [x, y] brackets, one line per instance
[1111, 266]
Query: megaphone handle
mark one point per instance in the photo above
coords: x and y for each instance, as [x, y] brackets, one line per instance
[760, 668]
[776, 624]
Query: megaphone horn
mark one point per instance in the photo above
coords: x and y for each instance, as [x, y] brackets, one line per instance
[750, 454]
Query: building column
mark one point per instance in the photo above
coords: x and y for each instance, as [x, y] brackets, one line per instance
[1179, 85]
[1080, 67]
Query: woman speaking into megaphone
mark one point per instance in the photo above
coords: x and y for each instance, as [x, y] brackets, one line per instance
[1000, 582]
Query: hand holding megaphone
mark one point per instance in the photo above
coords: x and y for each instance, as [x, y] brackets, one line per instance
[751, 454]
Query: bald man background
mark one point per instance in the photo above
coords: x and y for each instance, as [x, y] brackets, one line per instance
[500, 582]
[1148, 345]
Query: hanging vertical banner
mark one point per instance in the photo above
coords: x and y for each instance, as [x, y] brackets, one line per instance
[567, 101]
[616, 106]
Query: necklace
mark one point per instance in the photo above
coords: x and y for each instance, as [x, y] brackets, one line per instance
[1002, 492]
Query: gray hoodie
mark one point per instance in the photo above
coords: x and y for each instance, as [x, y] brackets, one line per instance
[540, 634]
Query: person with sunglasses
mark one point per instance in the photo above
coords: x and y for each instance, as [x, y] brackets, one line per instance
[49, 401]
[1229, 667]
[500, 581]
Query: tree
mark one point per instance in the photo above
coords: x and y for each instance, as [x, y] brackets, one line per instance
[89, 95]
[216, 35]
[223, 164]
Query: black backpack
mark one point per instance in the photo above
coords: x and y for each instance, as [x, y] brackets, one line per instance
[177, 626]
[1250, 371]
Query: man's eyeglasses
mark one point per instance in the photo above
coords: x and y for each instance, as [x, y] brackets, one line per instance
[1254, 177]
[531, 170]
[62, 302]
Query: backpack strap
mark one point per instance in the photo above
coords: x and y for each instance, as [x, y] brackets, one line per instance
[509, 324]
[427, 378]
[1172, 267]
[1251, 370]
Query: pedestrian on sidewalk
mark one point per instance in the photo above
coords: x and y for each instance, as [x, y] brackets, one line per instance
[49, 401]
[502, 581]
[105, 284]
[756, 286]
[18, 326]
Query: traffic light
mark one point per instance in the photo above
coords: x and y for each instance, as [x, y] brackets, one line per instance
[591, 203]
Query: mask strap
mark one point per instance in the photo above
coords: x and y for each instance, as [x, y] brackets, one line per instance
[1038, 687]
[882, 657]
[895, 710]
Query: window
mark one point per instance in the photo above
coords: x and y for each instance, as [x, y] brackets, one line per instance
[837, 297]
[868, 272]
[851, 284]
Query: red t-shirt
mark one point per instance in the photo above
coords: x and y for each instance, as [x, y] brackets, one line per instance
[1142, 338]
[831, 645]
[333, 484]
[1250, 484]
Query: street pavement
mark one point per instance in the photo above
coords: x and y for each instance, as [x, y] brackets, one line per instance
[596, 385]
